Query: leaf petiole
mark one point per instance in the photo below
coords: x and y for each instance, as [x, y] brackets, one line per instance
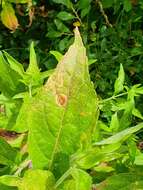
[64, 176]
[113, 97]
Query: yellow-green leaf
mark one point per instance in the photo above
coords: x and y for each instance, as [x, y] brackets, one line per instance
[64, 110]
[8, 17]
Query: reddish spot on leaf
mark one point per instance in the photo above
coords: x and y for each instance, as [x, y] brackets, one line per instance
[62, 99]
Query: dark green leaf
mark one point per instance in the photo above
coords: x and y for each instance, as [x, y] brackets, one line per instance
[67, 3]
[63, 15]
[8, 155]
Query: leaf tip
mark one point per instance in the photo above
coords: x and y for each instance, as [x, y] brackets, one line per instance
[78, 39]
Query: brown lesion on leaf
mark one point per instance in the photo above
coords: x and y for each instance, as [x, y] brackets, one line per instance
[8, 135]
[61, 99]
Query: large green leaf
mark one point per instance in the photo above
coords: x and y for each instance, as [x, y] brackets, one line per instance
[64, 111]
[37, 179]
[32, 180]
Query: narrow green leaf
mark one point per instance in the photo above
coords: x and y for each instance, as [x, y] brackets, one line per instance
[95, 156]
[19, 1]
[64, 110]
[57, 55]
[33, 66]
[9, 79]
[91, 61]
[114, 125]
[137, 113]
[46, 74]
[103, 126]
[118, 86]
[32, 77]
[15, 65]
[121, 136]
[10, 180]
[8, 154]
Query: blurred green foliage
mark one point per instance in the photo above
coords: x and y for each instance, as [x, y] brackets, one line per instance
[111, 30]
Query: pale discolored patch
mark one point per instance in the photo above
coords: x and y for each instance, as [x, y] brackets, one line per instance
[61, 99]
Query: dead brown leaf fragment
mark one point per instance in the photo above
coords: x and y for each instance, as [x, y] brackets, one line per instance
[8, 135]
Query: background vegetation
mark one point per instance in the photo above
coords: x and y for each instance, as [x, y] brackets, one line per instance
[111, 30]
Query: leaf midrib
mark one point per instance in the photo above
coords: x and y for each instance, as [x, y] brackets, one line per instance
[63, 116]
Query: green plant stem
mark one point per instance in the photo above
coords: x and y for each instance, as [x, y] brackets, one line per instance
[64, 176]
[103, 13]
[30, 90]
[23, 165]
[76, 14]
[113, 97]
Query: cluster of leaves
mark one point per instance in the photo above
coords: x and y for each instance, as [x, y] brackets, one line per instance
[60, 142]
[111, 30]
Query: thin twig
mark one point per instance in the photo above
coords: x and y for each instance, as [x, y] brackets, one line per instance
[113, 97]
[76, 14]
[103, 13]
[25, 164]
